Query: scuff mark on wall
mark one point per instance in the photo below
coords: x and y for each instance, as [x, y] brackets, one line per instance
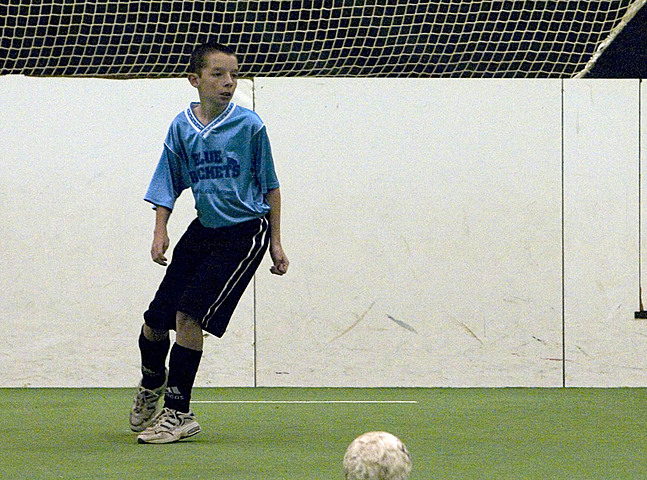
[466, 328]
[357, 322]
[402, 324]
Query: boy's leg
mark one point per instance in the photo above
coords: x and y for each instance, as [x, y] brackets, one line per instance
[176, 420]
[184, 362]
[207, 303]
[160, 317]
[154, 345]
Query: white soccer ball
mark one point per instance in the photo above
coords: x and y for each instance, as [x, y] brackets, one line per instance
[377, 456]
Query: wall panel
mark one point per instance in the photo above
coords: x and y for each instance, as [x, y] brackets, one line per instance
[76, 156]
[433, 205]
[605, 345]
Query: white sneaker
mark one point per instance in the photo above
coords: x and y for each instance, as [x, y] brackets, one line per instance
[145, 407]
[170, 426]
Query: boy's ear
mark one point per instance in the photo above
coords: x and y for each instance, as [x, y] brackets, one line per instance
[193, 79]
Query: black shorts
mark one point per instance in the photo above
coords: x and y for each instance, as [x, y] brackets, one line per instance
[209, 272]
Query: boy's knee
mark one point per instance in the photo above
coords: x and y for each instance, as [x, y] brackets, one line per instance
[189, 332]
[154, 334]
[186, 322]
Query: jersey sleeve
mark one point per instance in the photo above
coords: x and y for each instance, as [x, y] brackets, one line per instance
[171, 176]
[263, 161]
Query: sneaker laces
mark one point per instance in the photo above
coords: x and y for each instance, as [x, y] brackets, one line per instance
[167, 420]
[145, 400]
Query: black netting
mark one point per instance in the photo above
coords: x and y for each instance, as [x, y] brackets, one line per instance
[446, 38]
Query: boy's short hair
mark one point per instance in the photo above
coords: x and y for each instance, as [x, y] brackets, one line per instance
[198, 58]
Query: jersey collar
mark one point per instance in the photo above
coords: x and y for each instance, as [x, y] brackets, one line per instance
[205, 130]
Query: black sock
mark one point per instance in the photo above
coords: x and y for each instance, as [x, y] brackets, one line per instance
[183, 367]
[153, 361]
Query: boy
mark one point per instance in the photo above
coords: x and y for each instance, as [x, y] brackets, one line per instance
[222, 152]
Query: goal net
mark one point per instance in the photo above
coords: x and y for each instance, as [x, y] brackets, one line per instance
[358, 38]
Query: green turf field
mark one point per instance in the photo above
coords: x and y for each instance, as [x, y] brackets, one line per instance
[451, 433]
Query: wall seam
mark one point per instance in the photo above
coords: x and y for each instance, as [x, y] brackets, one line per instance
[255, 351]
[640, 313]
[563, 243]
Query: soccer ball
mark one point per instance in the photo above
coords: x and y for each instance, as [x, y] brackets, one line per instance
[377, 456]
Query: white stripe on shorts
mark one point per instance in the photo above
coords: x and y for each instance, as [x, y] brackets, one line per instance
[243, 266]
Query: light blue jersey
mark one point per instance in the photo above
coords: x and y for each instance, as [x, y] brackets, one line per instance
[228, 165]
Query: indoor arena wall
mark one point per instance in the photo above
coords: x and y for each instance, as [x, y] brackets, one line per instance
[441, 233]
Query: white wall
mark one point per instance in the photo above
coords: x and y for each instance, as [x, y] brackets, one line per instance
[605, 344]
[76, 157]
[436, 203]
[432, 204]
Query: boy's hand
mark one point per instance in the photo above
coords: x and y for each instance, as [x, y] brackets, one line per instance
[160, 246]
[280, 260]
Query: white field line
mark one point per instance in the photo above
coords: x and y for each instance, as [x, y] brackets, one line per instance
[307, 402]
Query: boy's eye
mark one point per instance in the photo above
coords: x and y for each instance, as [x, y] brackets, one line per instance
[220, 73]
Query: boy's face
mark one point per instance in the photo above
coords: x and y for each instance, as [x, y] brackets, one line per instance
[217, 81]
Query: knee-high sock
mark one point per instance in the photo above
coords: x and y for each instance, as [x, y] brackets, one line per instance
[153, 355]
[183, 367]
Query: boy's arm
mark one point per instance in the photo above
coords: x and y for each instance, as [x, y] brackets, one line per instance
[160, 235]
[277, 254]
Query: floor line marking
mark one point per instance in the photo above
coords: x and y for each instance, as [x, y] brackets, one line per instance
[306, 402]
